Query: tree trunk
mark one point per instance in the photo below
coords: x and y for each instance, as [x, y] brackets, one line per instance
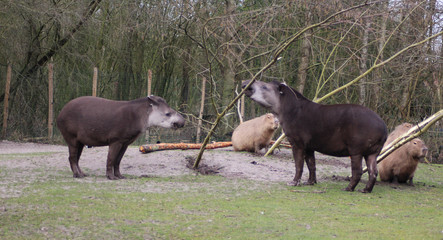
[227, 70]
[363, 60]
[305, 54]
[28, 71]
[438, 82]
[184, 95]
[376, 94]
[186, 63]
[430, 13]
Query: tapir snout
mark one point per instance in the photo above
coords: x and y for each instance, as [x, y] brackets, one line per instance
[250, 91]
[179, 124]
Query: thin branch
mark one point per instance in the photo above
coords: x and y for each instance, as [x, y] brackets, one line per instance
[414, 132]
[279, 50]
[317, 91]
[375, 66]
[56, 46]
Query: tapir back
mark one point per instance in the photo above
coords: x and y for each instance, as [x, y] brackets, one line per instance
[97, 122]
[362, 130]
[338, 130]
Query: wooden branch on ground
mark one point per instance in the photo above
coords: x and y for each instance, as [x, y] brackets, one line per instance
[276, 54]
[414, 132]
[183, 146]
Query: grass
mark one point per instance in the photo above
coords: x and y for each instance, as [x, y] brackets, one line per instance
[22, 155]
[213, 207]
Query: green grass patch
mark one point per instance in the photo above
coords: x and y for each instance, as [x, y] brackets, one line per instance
[213, 207]
[96, 210]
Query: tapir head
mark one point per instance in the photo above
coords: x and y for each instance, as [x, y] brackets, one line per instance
[266, 94]
[162, 115]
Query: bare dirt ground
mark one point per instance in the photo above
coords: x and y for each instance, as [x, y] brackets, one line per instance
[277, 168]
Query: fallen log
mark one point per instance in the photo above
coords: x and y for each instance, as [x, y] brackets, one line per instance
[183, 146]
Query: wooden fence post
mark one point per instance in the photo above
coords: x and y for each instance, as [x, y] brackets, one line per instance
[94, 82]
[242, 108]
[202, 106]
[50, 100]
[149, 82]
[6, 101]
[148, 90]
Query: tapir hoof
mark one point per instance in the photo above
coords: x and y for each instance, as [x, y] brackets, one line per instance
[348, 189]
[80, 175]
[120, 176]
[112, 177]
[294, 183]
[310, 182]
[365, 190]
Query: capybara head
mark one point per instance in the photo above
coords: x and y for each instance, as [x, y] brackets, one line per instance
[398, 131]
[162, 115]
[271, 122]
[417, 148]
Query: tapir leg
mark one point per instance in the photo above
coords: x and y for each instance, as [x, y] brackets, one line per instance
[299, 162]
[74, 156]
[411, 181]
[117, 162]
[371, 163]
[113, 152]
[356, 161]
[310, 161]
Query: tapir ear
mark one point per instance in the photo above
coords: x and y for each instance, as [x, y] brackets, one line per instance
[152, 100]
[281, 87]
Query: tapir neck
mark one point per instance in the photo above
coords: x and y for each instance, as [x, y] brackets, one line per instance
[294, 105]
[143, 108]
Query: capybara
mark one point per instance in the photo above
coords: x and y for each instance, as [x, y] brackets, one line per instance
[400, 165]
[255, 134]
[94, 121]
[337, 130]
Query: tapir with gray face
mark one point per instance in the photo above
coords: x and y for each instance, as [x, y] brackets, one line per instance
[94, 121]
[337, 130]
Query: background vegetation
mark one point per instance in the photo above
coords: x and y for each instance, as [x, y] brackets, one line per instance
[225, 42]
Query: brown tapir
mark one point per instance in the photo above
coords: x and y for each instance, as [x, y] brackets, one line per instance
[337, 130]
[94, 121]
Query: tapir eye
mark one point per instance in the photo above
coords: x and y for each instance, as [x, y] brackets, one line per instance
[264, 87]
[168, 114]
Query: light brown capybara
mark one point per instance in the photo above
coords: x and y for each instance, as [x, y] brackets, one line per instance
[255, 134]
[400, 166]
